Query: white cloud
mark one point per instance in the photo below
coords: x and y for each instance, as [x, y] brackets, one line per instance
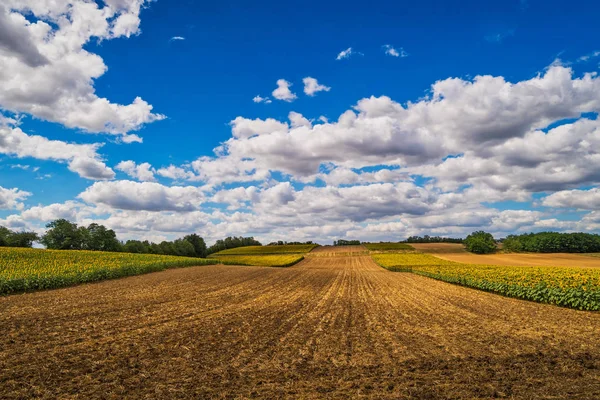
[579, 199]
[311, 86]
[345, 54]
[48, 73]
[142, 172]
[391, 51]
[177, 38]
[83, 159]
[147, 196]
[283, 91]
[244, 128]
[259, 99]
[12, 198]
[176, 173]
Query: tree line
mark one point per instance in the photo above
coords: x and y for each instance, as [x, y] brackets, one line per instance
[10, 238]
[62, 234]
[432, 239]
[553, 242]
[342, 242]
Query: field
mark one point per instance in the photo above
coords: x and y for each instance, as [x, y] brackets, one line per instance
[387, 246]
[267, 260]
[439, 248]
[334, 326]
[264, 256]
[259, 250]
[564, 286]
[34, 269]
[526, 259]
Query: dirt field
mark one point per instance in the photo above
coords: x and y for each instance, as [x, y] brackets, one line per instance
[439, 247]
[554, 259]
[334, 326]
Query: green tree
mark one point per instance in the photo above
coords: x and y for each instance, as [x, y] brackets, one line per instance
[22, 239]
[98, 237]
[480, 242]
[62, 235]
[198, 243]
[182, 247]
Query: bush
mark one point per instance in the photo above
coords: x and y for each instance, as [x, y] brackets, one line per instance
[480, 242]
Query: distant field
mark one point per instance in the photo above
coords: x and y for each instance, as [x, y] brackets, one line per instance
[248, 250]
[34, 269]
[529, 259]
[387, 246]
[437, 248]
[568, 287]
[267, 260]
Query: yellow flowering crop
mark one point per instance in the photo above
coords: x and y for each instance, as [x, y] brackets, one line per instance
[565, 286]
[32, 269]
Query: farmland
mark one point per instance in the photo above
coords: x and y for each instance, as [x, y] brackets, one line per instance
[266, 260]
[525, 259]
[564, 286]
[261, 250]
[23, 269]
[334, 326]
[264, 256]
[388, 246]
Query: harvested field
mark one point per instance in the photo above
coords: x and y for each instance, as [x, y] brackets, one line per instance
[439, 247]
[333, 326]
[546, 259]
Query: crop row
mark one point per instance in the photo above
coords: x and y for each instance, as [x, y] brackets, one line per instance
[24, 269]
[572, 287]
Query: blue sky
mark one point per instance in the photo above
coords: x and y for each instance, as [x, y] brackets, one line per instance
[391, 173]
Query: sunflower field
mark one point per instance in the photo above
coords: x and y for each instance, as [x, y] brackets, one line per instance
[571, 287]
[23, 269]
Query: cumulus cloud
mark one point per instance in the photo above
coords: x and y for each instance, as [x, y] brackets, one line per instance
[177, 38]
[82, 159]
[579, 199]
[147, 196]
[453, 120]
[142, 172]
[48, 73]
[12, 198]
[283, 91]
[312, 86]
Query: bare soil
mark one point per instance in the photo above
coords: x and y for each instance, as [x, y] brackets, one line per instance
[551, 259]
[334, 326]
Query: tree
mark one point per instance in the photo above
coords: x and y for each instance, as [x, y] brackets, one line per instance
[62, 235]
[182, 247]
[97, 237]
[480, 242]
[16, 239]
[4, 236]
[198, 243]
[22, 239]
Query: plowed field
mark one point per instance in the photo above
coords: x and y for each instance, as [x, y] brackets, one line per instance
[335, 325]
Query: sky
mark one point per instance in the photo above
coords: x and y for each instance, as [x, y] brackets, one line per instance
[300, 120]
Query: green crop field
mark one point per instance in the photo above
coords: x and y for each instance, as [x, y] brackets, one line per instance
[258, 250]
[24, 269]
[387, 246]
[265, 260]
